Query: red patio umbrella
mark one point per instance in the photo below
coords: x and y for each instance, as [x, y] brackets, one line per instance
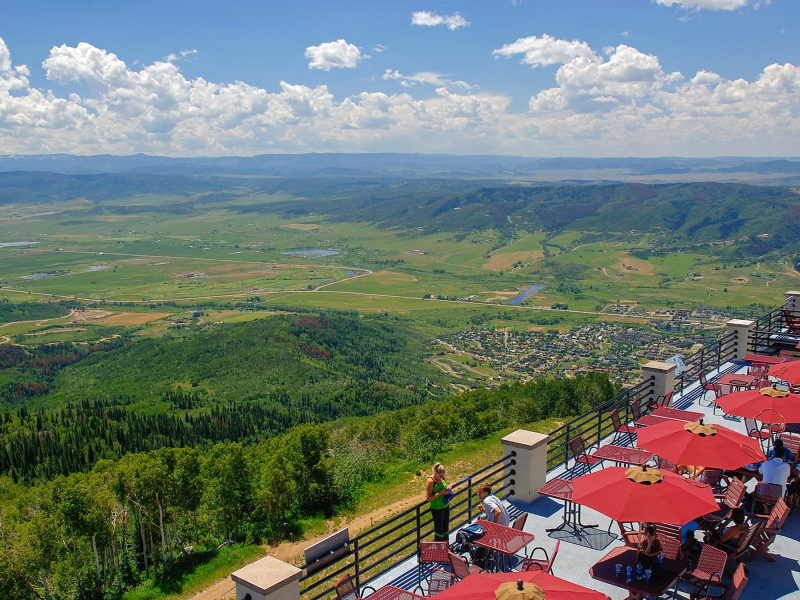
[788, 371]
[482, 586]
[698, 444]
[768, 405]
[641, 494]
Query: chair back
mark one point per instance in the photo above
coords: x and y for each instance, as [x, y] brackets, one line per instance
[553, 558]
[519, 522]
[792, 322]
[777, 516]
[768, 493]
[439, 581]
[735, 493]
[701, 375]
[636, 410]
[787, 354]
[747, 539]
[751, 427]
[433, 552]
[711, 477]
[712, 562]
[667, 398]
[345, 589]
[577, 447]
[667, 465]
[458, 564]
[615, 420]
[759, 369]
[739, 580]
[791, 443]
[722, 389]
[670, 546]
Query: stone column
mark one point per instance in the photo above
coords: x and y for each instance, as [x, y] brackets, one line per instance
[530, 470]
[267, 579]
[742, 328]
[663, 376]
[792, 301]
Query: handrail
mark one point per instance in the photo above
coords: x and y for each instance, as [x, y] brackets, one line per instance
[387, 541]
[595, 424]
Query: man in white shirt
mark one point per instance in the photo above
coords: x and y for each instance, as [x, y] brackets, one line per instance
[492, 506]
[775, 470]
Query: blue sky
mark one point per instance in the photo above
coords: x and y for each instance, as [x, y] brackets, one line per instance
[529, 77]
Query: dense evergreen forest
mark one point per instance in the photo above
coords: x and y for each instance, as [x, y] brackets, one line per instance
[230, 382]
[92, 536]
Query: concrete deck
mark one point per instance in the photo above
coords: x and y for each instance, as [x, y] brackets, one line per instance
[768, 581]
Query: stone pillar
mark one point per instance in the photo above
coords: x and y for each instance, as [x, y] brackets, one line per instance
[792, 301]
[267, 579]
[530, 470]
[742, 328]
[663, 376]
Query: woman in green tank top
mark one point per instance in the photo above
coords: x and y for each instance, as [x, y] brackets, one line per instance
[435, 491]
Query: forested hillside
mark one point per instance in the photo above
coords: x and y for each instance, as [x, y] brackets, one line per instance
[95, 535]
[231, 382]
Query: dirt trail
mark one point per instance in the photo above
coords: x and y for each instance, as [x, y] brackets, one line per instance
[292, 552]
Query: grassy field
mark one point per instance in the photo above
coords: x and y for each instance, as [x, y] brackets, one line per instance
[222, 256]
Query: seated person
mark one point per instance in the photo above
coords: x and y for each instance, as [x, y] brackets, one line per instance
[778, 449]
[492, 506]
[776, 470]
[692, 470]
[730, 530]
[651, 546]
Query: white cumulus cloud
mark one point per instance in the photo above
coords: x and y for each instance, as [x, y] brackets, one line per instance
[545, 50]
[713, 4]
[333, 55]
[432, 19]
[618, 102]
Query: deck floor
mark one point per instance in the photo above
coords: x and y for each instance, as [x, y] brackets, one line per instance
[768, 581]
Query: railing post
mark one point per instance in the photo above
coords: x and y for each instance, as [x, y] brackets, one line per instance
[742, 330]
[599, 424]
[529, 464]
[357, 562]
[469, 499]
[566, 445]
[662, 375]
[792, 301]
[268, 579]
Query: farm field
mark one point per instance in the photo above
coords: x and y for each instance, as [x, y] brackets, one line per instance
[151, 250]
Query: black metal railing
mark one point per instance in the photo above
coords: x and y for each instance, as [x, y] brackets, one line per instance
[772, 332]
[708, 358]
[596, 424]
[389, 543]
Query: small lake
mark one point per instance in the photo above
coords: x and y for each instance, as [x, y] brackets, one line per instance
[38, 276]
[97, 268]
[13, 244]
[349, 273]
[311, 253]
[519, 299]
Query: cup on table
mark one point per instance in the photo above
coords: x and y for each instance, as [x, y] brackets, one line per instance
[618, 569]
[648, 573]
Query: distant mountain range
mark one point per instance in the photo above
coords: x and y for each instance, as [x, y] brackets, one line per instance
[781, 170]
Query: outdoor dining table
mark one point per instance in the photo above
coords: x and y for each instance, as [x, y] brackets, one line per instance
[648, 420]
[737, 380]
[561, 489]
[677, 414]
[763, 359]
[390, 592]
[661, 580]
[502, 540]
[621, 455]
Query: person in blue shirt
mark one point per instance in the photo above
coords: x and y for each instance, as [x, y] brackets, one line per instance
[778, 449]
